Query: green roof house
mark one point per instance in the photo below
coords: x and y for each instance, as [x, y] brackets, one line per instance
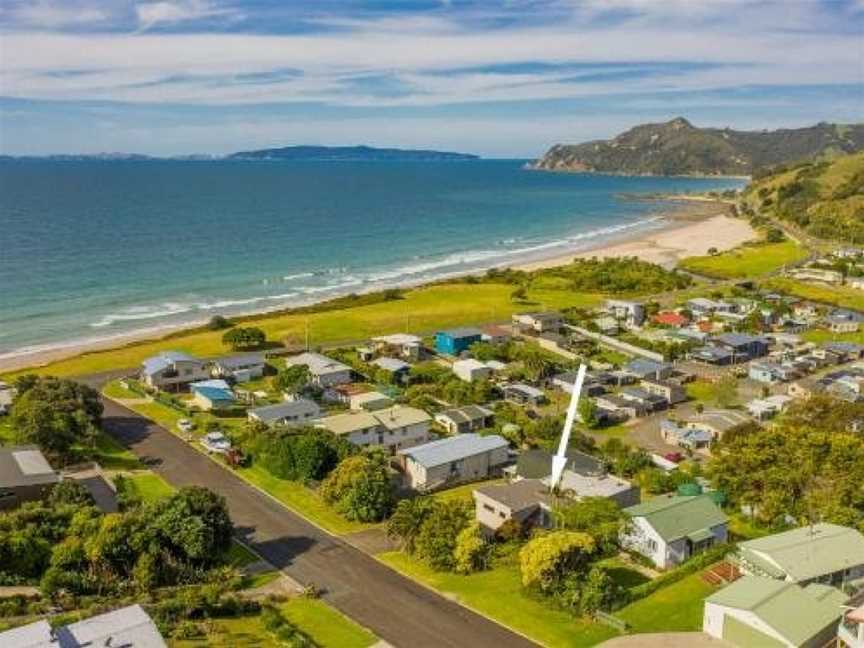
[670, 528]
[755, 612]
[825, 553]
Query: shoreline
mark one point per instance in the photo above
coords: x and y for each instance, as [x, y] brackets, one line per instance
[678, 234]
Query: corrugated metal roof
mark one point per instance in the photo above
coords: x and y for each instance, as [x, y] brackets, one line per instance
[675, 516]
[443, 451]
[295, 408]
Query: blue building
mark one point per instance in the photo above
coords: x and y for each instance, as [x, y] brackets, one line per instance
[455, 341]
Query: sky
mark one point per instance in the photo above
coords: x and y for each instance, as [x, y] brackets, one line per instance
[501, 78]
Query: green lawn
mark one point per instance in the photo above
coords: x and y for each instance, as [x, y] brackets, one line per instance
[150, 486]
[498, 593]
[115, 389]
[752, 260]
[422, 310]
[239, 555]
[675, 608]
[326, 626]
[113, 456]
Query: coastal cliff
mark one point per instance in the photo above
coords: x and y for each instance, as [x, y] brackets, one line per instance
[677, 147]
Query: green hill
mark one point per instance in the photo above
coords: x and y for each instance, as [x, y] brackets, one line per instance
[824, 198]
[679, 148]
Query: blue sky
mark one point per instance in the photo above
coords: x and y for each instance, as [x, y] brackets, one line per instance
[497, 77]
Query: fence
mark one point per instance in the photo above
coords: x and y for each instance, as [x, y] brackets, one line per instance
[618, 345]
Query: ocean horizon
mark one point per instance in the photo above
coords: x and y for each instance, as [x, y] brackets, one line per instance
[97, 250]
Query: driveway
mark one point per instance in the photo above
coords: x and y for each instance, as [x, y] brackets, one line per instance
[395, 608]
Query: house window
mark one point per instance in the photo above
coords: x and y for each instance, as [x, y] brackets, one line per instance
[651, 544]
[502, 515]
[489, 508]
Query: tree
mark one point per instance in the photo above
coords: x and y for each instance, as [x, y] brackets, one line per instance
[436, 539]
[548, 558]
[244, 338]
[599, 591]
[599, 516]
[218, 323]
[774, 235]
[471, 552]
[537, 365]
[588, 413]
[55, 414]
[359, 487]
[407, 518]
[292, 379]
[519, 294]
[70, 491]
[194, 524]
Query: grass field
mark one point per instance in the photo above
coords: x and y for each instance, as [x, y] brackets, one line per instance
[421, 310]
[150, 486]
[498, 594]
[833, 295]
[746, 261]
[327, 628]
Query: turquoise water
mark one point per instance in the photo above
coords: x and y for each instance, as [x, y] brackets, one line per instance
[92, 250]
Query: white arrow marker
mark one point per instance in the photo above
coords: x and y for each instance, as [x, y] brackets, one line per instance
[559, 461]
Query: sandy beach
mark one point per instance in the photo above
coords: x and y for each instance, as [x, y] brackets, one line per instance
[690, 229]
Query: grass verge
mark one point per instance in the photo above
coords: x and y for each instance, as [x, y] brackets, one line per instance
[752, 260]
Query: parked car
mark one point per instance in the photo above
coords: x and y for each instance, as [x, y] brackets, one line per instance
[675, 457]
[185, 425]
[216, 442]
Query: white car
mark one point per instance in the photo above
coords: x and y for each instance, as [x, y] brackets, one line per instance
[185, 425]
[216, 442]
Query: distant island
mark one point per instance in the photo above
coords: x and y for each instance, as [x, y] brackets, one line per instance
[295, 153]
[677, 147]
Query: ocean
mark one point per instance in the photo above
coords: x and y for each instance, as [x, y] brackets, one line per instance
[91, 250]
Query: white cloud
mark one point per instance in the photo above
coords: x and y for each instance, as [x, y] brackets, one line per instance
[150, 14]
[53, 15]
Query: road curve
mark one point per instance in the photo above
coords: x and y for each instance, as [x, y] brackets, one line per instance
[395, 608]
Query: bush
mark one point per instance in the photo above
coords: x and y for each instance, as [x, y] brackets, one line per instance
[244, 338]
[302, 454]
[360, 488]
[547, 559]
[437, 537]
[217, 323]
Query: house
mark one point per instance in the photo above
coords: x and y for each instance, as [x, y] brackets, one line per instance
[567, 381]
[405, 346]
[701, 306]
[822, 275]
[680, 434]
[172, 370]
[397, 368]
[671, 319]
[523, 394]
[25, 475]
[841, 320]
[214, 394]
[712, 355]
[241, 367]
[843, 351]
[651, 402]
[672, 392]
[343, 394]
[537, 464]
[392, 428]
[669, 529]
[742, 346]
[456, 341]
[607, 325]
[851, 629]
[470, 370]
[755, 611]
[641, 368]
[469, 418]
[496, 334]
[370, 401]
[717, 421]
[325, 372]
[128, 627]
[290, 412]
[455, 459]
[824, 553]
[766, 372]
[618, 406]
[577, 486]
[545, 322]
[7, 395]
[763, 409]
[806, 387]
[630, 312]
[855, 282]
[527, 502]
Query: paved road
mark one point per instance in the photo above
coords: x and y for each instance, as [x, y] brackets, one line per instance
[395, 608]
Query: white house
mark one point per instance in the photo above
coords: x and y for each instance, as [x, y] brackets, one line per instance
[668, 529]
[460, 420]
[241, 367]
[630, 312]
[369, 401]
[408, 347]
[451, 460]
[763, 409]
[470, 370]
[325, 371]
[172, 370]
[392, 428]
[290, 412]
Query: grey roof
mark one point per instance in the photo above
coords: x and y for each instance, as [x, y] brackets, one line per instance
[738, 339]
[643, 366]
[527, 390]
[166, 359]
[293, 408]
[464, 331]
[318, 364]
[712, 352]
[128, 627]
[518, 495]
[845, 315]
[239, 360]
[25, 466]
[466, 414]
[537, 464]
[843, 347]
[391, 364]
[443, 451]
